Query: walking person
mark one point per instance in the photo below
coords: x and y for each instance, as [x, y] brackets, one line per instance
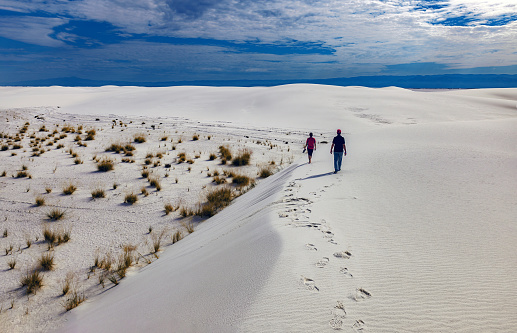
[339, 147]
[310, 144]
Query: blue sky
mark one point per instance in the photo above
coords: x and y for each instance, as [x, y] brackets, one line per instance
[178, 40]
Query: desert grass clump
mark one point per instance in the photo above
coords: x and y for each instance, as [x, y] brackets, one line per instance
[55, 214]
[212, 157]
[243, 158]
[74, 300]
[144, 191]
[168, 208]
[68, 283]
[226, 154]
[22, 174]
[56, 237]
[98, 193]
[11, 263]
[69, 189]
[145, 172]
[90, 135]
[155, 182]
[241, 180]
[48, 189]
[47, 261]
[105, 164]
[219, 180]
[78, 160]
[33, 281]
[40, 201]
[195, 137]
[182, 157]
[139, 138]
[265, 172]
[189, 227]
[130, 198]
[176, 236]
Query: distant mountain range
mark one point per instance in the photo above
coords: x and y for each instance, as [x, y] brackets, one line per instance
[449, 81]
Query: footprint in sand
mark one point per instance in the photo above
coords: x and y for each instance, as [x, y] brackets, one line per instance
[343, 254]
[338, 314]
[361, 294]
[311, 247]
[359, 326]
[345, 272]
[309, 284]
[328, 234]
[323, 262]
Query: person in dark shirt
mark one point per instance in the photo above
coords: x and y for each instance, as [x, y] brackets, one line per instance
[310, 144]
[339, 147]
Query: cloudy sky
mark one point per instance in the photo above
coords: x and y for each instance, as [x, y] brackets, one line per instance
[177, 40]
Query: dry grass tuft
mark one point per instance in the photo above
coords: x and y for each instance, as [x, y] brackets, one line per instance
[226, 154]
[55, 214]
[241, 180]
[265, 172]
[130, 198]
[74, 300]
[98, 193]
[168, 208]
[69, 189]
[139, 138]
[33, 281]
[105, 164]
[243, 158]
[47, 261]
[40, 201]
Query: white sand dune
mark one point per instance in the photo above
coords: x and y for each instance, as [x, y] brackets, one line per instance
[415, 234]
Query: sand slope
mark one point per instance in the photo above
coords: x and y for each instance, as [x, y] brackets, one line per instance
[416, 234]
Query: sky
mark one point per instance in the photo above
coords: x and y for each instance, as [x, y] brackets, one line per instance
[184, 40]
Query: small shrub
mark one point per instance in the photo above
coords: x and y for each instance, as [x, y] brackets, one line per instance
[139, 138]
[243, 158]
[33, 281]
[22, 174]
[74, 300]
[11, 263]
[195, 137]
[48, 189]
[78, 161]
[40, 201]
[70, 189]
[145, 173]
[47, 261]
[168, 208]
[219, 180]
[220, 197]
[98, 193]
[241, 180]
[55, 214]
[226, 154]
[144, 191]
[130, 198]
[212, 157]
[265, 172]
[176, 237]
[154, 182]
[105, 164]
[90, 135]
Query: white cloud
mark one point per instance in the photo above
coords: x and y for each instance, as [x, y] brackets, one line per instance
[361, 31]
[32, 30]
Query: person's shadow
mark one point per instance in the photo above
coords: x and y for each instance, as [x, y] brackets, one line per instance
[317, 176]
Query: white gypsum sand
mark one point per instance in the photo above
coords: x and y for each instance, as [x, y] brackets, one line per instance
[415, 233]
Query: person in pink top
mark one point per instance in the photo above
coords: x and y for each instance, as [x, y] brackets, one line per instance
[310, 144]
